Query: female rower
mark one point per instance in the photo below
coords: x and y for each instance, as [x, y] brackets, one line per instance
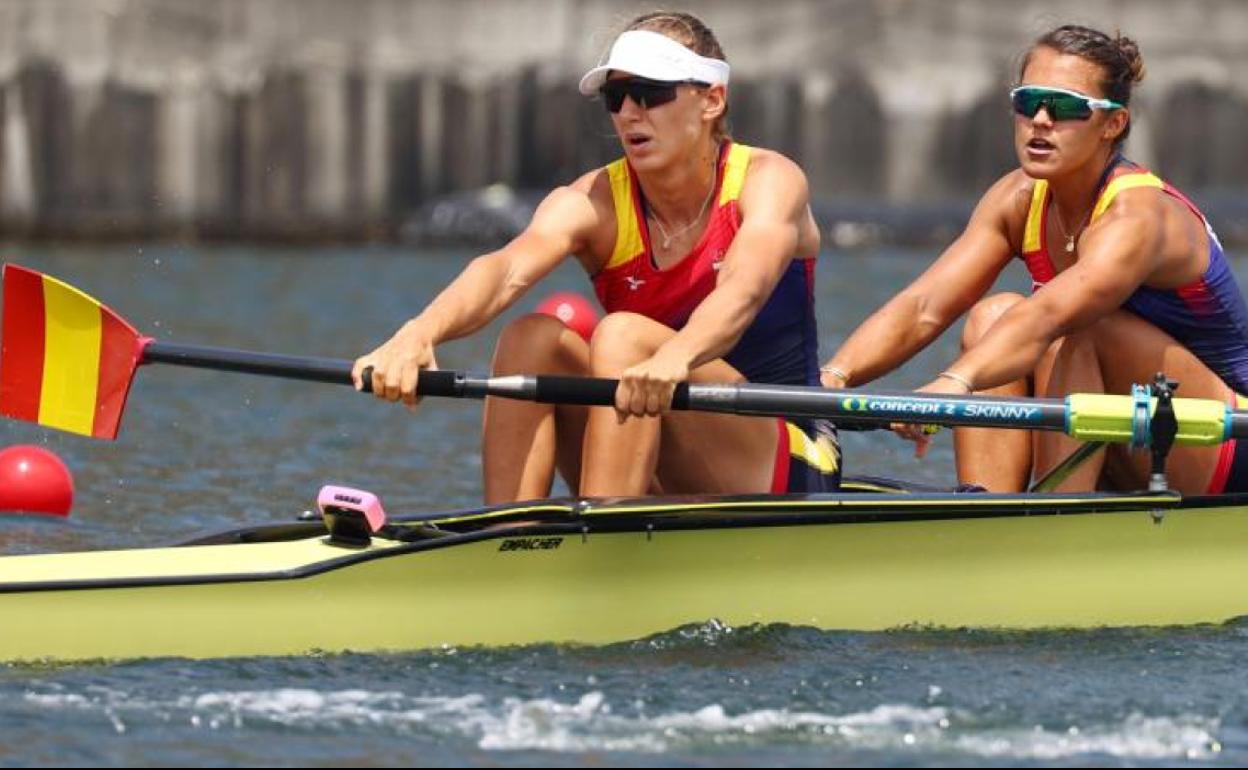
[702, 252]
[1128, 279]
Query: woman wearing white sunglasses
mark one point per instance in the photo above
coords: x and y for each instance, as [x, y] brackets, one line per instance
[1128, 280]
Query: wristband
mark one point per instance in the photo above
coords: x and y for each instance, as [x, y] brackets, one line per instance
[948, 375]
[835, 371]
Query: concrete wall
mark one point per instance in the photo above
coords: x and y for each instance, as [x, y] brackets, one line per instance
[329, 117]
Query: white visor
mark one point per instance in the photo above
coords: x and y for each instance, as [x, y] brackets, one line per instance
[657, 57]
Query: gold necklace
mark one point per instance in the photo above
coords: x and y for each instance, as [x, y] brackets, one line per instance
[667, 239]
[1070, 238]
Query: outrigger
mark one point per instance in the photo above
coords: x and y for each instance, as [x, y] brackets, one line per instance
[879, 555]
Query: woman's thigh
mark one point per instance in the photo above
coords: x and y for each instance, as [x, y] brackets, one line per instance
[698, 451]
[1129, 350]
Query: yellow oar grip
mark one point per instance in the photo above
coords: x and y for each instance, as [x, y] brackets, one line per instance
[1093, 417]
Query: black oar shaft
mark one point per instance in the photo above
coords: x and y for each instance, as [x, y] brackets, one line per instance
[308, 368]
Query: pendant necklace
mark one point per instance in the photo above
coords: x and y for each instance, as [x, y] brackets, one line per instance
[1070, 237]
[667, 238]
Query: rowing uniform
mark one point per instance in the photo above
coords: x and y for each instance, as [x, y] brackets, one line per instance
[1207, 316]
[779, 347]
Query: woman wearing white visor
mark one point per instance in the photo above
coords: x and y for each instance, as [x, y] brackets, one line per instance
[701, 251]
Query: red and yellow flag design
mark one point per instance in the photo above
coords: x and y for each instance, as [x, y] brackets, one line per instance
[66, 361]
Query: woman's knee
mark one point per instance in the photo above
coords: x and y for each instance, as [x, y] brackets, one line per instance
[624, 339]
[985, 314]
[536, 343]
[1117, 329]
[1129, 349]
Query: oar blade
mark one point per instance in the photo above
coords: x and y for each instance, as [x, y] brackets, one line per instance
[66, 361]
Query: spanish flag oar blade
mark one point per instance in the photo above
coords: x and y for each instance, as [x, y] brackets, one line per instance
[66, 361]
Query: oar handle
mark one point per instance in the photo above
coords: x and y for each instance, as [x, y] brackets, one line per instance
[592, 391]
[544, 389]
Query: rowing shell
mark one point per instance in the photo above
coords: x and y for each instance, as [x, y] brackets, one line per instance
[575, 571]
[876, 556]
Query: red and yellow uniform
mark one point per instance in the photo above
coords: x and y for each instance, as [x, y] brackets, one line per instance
[780, 346]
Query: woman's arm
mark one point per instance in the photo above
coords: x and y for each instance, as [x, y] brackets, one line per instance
[918, 314]
[1116, 257]
[563, 224]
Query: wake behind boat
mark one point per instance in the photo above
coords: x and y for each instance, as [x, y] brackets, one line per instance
[877, 555]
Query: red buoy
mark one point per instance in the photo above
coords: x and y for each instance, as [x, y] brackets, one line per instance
[34, 480]
[577, 313]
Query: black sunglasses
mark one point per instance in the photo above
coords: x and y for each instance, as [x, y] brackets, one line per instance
[644, 92]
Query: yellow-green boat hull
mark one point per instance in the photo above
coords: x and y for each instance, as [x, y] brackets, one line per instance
[612, 573]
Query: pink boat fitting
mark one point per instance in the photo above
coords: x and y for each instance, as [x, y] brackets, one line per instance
[352, 516]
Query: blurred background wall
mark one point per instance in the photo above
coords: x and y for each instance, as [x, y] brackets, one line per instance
[362, 118]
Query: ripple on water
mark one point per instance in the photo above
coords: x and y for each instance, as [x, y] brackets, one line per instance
[593, 722]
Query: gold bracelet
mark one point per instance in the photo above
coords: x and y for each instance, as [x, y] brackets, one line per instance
[835, 372]
[964, 382]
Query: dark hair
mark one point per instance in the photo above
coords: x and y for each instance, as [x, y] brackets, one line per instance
[1118, 57]
[692, 33]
